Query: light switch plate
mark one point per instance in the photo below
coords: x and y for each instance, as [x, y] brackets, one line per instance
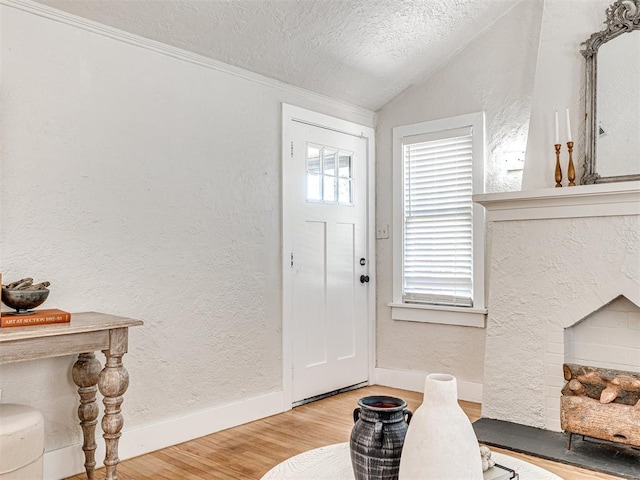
[382, 231]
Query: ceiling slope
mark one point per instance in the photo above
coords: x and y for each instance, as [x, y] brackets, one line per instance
[364, 52]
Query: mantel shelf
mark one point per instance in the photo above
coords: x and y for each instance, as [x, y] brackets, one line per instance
[600, 200]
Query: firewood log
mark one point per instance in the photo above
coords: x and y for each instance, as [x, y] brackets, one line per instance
[609, 394]
[612, 421]
[576, 387]
[602, 384]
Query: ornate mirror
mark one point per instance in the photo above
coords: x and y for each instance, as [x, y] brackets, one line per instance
[612, 149]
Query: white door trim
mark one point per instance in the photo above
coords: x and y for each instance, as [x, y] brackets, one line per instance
[292, 113]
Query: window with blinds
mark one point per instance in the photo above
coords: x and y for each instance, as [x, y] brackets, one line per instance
[438, 218]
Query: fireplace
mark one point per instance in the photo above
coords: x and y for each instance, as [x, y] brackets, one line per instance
[558, 258]
[564, 286]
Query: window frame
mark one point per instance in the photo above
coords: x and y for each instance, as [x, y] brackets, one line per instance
[424, 312]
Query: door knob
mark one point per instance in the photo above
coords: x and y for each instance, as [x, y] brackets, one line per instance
[364, 278]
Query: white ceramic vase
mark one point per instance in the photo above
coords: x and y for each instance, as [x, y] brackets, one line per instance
[440, 442]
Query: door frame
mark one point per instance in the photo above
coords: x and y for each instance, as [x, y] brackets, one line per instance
[292, 113]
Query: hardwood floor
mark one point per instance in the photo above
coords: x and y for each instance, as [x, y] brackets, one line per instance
[249, 451]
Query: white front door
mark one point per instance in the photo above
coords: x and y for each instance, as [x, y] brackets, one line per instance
[326, 202]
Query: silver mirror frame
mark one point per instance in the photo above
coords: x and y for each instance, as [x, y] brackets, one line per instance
[623, 16]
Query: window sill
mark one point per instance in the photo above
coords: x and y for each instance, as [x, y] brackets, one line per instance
[465, 317]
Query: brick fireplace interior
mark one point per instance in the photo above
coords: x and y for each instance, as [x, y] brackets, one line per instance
[564, 285]
[608, 338]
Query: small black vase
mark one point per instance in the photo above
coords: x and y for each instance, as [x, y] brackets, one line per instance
[378, 436]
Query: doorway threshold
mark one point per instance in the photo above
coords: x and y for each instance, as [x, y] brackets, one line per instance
[329, 394]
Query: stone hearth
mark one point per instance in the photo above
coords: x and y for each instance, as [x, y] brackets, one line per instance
[613, 459]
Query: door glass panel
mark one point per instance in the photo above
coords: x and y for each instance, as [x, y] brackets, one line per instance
[344, 191]
[344, 165]
[329, 194]
[313, 159]
[314, 187]
[329, 161]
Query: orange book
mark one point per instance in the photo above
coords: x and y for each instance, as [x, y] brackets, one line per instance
[38, 317]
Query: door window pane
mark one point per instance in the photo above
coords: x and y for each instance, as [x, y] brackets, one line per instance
[344, 191]
[313, 159]
[329, 194]
[344, 165]
[329, 156]
[329, 175]
[314, 187]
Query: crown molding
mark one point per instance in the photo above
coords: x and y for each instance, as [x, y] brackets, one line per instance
[34, 8]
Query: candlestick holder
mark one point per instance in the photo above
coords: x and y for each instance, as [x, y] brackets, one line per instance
[571, 171]
[558, 168]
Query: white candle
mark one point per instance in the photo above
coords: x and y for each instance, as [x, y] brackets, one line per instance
[557, 130]
[569, 139]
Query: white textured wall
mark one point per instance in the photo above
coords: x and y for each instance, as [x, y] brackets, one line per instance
[559, 84]
[547, 275]
[142, 185]
[495, 74]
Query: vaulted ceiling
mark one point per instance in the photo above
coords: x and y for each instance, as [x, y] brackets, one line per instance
[364, 52]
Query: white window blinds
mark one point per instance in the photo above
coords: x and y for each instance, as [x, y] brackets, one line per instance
[438, 218]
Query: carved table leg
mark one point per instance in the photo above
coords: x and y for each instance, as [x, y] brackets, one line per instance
[113, 382]
[85, 375]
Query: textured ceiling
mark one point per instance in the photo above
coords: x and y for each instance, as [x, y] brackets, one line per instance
[364, 52]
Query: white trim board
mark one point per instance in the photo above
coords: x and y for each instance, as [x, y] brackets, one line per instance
[69, 461]
[414, 381]
[364, 115]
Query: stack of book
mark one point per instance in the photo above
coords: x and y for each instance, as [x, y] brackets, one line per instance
[500, 472]
[38, 317]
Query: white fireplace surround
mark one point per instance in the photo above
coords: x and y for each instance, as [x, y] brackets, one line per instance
[555, 256]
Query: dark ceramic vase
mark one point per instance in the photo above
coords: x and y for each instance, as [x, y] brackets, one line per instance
[378, 436]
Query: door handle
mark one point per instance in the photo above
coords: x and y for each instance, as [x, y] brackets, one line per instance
[364, 278]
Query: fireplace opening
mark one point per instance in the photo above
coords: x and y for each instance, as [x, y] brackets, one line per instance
[601, 398]
[607, 338]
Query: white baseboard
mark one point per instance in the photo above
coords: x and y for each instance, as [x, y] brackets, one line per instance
[69, 461]
[414, 381]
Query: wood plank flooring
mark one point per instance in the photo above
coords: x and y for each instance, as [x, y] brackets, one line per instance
[247, 452]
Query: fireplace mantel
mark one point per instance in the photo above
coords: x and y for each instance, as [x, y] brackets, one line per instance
[599, 200]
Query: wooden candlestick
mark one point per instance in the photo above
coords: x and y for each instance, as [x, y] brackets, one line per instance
[571, 171]
[558, 169]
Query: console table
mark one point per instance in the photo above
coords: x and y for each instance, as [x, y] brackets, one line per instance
[86, 333]
[334, 462]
